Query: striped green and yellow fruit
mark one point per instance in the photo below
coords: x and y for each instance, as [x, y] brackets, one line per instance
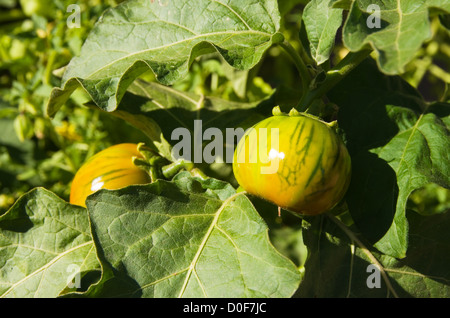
[295, 161]
[111, 168]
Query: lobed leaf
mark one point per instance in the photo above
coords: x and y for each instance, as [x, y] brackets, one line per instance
[188, 238]
[138, 35]
[397, 143]
[419, 155]
[44, 243]
[395, 29]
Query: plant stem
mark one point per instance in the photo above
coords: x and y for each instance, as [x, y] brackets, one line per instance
[361, 246]
[300, 64]
[49, 67]
[365, 250]
[334, 76]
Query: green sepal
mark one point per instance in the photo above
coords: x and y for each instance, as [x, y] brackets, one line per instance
[146, 151]
[276, 111]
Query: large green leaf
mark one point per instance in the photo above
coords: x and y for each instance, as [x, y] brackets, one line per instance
[403, 26]
[419, 155]
[44, 242]
[187, 238]
[397, 145]
[139, 35]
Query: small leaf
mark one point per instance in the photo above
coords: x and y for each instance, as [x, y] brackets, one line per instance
[321, 22]
[287, 5]
[23, 127]
[343, 4]
[44, 242]
[138, 35]
[188, 238]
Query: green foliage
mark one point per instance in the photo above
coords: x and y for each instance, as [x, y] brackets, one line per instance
[321, 35]
[404, 26]
[180, 32]
[42, 237]
[181, 235]
[134, 71]
[334, 252]
[35, 150]
[389, 128]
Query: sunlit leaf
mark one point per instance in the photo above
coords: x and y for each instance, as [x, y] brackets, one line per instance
[44, 243]
[189, 238]
[138, 35]
[395, 29]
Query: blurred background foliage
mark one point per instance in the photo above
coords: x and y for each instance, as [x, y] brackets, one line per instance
[36, 44]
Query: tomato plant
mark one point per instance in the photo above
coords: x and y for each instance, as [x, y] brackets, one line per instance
[280, 149]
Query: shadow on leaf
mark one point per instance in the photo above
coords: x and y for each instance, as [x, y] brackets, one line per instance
[372, 195]
[365, 100]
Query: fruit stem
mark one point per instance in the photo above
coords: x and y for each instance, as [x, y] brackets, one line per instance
[146, 166]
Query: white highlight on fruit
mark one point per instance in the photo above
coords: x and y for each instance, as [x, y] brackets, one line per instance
[275, 154]
[97, 184]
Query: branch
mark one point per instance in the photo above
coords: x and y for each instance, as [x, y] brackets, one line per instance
[305, 76]
[365, 250]
[334, 76]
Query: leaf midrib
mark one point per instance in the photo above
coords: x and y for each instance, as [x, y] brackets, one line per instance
[233, 33]
[397, 38]
[46, 266]
[204, 241]
[234, 12]
[413, 131]
[417, 274]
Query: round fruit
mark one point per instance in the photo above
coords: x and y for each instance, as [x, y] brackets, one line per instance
[297, 162]
[112, 168]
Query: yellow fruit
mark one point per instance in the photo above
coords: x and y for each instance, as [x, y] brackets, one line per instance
[297, 162]
[111, 169]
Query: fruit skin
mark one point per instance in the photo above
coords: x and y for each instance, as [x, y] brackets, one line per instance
[314, 167]
[111, 168]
